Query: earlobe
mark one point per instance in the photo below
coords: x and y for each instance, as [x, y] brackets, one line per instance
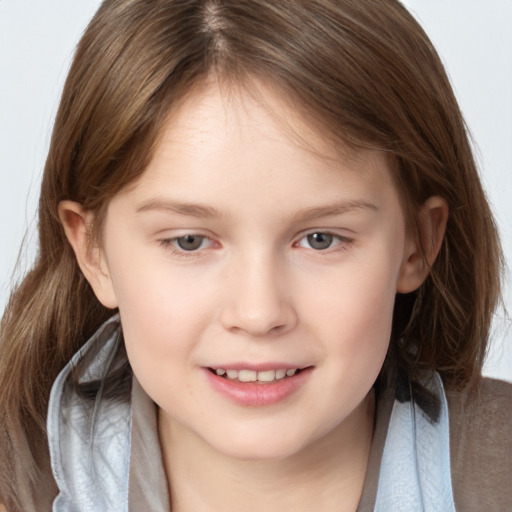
[419, 256]
[77, 225]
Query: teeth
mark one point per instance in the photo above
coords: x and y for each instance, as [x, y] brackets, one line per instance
[268, 376]
[253, 376]
[232, 374]
[280, 374]
[247, 376]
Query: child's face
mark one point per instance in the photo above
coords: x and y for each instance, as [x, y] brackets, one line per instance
[240, 249]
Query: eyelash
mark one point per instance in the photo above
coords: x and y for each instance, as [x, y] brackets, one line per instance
[343, 243]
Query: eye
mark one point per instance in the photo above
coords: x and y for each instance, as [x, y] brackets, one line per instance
[322, 241]
[190, 242]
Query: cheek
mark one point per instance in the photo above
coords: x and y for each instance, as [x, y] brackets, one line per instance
[159, 310]
[356, 300]
[353, 315]
[148, 286]
[162, 322]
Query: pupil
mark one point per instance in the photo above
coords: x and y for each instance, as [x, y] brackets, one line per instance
[190, 242]
[320, 240]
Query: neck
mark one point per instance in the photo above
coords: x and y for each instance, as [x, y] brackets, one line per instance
[326, 475]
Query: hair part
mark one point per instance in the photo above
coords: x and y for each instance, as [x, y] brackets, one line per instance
[362, 71]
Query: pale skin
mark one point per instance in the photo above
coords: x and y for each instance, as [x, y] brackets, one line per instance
[239, 245]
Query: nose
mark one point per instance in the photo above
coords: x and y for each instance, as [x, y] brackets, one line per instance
[258, 298]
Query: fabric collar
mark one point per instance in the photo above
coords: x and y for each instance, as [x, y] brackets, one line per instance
[89, 440]
[415, 471]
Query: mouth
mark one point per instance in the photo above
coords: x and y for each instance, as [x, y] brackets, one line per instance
[257, 387]
[260, 377]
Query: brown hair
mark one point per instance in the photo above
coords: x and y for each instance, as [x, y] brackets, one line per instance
[363, 69]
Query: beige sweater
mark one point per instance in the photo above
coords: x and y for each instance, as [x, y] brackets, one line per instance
[481, 447]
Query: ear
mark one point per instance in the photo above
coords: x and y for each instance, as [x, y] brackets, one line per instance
[90, 256]
[419, 256]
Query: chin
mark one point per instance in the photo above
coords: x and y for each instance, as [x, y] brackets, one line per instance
[253, 447]
[257, 454]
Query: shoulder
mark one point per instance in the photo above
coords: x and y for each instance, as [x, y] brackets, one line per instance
[482, 413]
[481, 445]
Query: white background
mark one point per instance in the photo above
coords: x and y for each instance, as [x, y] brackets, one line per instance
[37, 38]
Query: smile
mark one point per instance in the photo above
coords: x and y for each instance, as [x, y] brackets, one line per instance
[266, 376]
[257, 387]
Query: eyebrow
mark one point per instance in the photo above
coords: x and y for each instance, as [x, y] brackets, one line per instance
[205, 211]
[188, 209]
[335, 209]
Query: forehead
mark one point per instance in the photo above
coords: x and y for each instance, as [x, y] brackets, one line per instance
[239, 140]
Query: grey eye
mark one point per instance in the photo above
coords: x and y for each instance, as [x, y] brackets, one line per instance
[320, 241]
[190, 242]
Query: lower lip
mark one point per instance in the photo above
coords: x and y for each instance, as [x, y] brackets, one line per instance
[254, 394]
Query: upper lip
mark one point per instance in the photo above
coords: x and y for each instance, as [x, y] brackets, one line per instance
[259, 367]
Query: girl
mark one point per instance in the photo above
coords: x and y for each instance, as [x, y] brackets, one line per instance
[266, 273]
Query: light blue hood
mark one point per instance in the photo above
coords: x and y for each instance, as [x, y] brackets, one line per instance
[90, 441]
